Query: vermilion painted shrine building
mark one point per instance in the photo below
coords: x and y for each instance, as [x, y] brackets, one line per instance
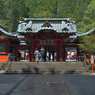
[55, 35]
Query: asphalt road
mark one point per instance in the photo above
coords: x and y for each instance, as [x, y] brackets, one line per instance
[84, 84]
[8, 82]
[37, 84]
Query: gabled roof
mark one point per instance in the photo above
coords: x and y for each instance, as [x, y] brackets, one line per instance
[79, 34]
[86, 32]
[34, 25]
[25, 19]
[3, 30]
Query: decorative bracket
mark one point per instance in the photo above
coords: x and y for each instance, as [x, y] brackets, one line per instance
[46, 24]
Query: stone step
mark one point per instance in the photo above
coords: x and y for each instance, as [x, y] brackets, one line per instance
[49, 72]
[75, 62]
[64, 63]
[43, 66]
[46, 67]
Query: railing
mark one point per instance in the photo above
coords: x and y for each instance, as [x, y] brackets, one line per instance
[83, 57]
[11, 57]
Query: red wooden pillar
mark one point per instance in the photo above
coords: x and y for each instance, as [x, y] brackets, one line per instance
[16, 53]
[7, 46]
[77, 53]
[60, 49]
[29, 54]
[63, 53]
[32, 58]
[57, 50]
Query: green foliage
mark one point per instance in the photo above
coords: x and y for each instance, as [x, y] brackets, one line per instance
[45, 14]
[5, 24]
[80, 10]
[88, 18]
[87, 43]
[2, 9]
[82, 27]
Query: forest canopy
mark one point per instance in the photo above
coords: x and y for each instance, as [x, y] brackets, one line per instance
[81, 11]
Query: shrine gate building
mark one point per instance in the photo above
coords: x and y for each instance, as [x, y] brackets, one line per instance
[55, 35]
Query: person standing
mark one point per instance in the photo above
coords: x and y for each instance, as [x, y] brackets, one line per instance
[51, 57]
[72, 55]
[26, 55]
[19, 56]
[42, 51]
[47, 56]
[55, 56]
[36, 54]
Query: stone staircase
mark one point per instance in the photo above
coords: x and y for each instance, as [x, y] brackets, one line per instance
[47, 68]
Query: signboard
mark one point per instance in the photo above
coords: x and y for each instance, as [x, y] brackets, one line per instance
[3, 47]
[92, 59]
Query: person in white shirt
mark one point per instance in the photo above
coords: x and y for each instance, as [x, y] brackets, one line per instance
[72, 55]
[36, 53]
[47, 56]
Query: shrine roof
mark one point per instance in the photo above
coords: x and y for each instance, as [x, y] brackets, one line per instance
[3, 30]
[34, 25]
[46, 19]
[79, 34]
[86, 32]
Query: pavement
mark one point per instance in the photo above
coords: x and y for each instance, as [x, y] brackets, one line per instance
[84, 84]
[37, 84]
[42, 84]
[8, 82]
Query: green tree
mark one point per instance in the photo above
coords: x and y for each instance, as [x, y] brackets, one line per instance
[1, 8]
[23, 11]
[87, 43]
[53, 6]
[13, 10]
[17, 10]
[77, 13]
[88, 18]
[65, 8]
[3, 20]
[44, 14]
[42, 8]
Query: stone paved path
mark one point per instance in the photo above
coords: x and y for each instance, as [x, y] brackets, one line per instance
[45, 85]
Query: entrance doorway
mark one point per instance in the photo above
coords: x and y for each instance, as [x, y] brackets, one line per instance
[23, 54]
[50, 48]
[71, 54]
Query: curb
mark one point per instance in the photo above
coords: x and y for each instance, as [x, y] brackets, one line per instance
[92, 73]
[2, 71]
